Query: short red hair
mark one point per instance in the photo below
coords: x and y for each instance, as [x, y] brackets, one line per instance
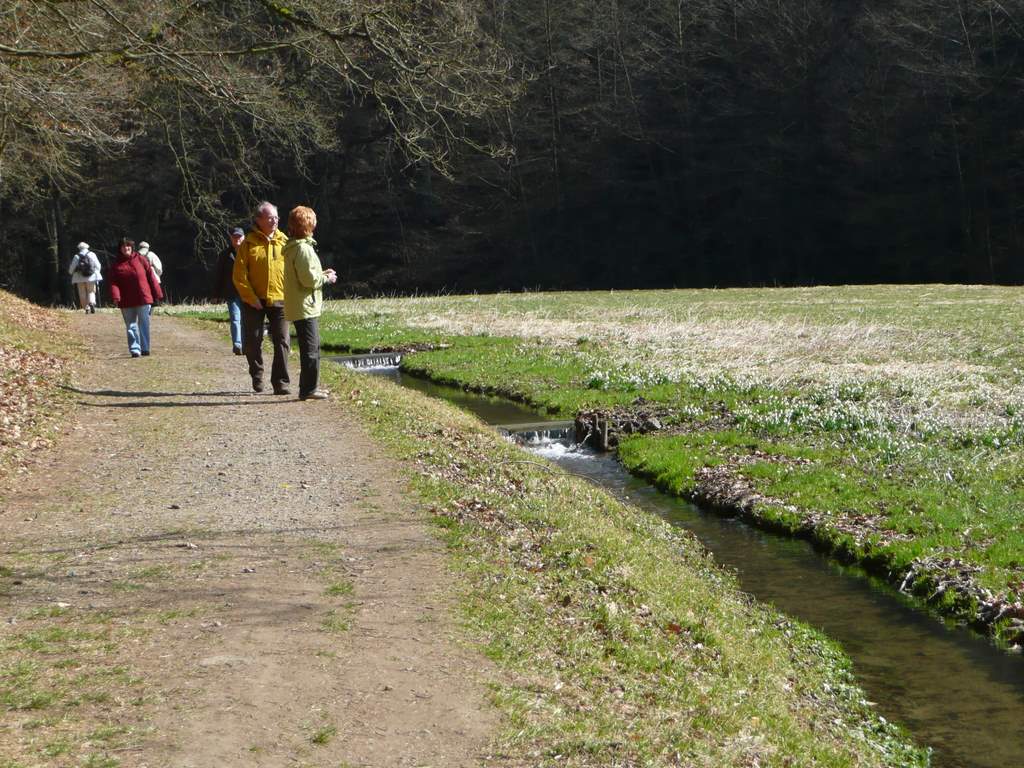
[301, 221]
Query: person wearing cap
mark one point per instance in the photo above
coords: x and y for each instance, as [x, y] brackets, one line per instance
[304, 280]
[134, 288]
[224, 286]
[258, 275]
[153, 259]
[85, 276]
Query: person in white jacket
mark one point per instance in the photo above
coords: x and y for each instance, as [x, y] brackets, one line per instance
[153, 259]
[85, 276]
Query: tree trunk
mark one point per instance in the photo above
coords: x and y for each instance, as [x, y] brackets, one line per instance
[554, 113]
[58, 289]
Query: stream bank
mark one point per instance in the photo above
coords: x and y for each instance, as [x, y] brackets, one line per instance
[624, 642]
[894, 426]
[718, 478]
[953, 689]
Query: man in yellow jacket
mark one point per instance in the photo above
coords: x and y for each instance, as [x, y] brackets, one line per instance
[258, 275]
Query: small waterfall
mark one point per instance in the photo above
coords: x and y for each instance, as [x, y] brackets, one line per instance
[375, 360]
[540, 433]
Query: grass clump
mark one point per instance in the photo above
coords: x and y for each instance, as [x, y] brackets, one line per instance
[336, 621]
[70, 693]
[618, 641]
[324, 735]
[339, 589]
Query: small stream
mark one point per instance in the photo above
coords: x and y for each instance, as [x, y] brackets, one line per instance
[950, 687]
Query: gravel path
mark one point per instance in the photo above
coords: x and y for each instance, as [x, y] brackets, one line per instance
[275, 595]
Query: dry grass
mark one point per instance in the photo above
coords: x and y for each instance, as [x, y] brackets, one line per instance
[947, 353]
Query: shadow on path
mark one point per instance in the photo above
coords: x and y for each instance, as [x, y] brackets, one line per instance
[136, 393]
[221, 404]
[242, 397]
[209, 536]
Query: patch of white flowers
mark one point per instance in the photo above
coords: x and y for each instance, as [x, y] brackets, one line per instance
[603, 374]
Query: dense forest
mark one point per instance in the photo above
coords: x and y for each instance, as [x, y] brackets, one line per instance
[502, 144]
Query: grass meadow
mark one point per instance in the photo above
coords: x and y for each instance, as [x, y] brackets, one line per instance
[886, 421]
[615, 639]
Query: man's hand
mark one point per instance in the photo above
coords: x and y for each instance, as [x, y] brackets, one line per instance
[257, 305]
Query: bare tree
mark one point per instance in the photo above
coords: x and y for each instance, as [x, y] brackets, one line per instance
[231, 82]
[960, 71]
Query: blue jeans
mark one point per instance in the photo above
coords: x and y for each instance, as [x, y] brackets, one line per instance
[136, 321]
[235, 318]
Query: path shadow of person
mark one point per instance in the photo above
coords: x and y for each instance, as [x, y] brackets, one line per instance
[179, 538]
[255, 400]
[139, 393]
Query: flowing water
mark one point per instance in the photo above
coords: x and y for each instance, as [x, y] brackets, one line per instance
[951, 688]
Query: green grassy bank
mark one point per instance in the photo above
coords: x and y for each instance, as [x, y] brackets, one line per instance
[616, 640]
[885, 422]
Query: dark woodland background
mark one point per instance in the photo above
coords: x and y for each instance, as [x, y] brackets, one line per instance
[577, 144]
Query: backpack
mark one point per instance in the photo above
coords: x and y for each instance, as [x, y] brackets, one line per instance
[84, 268]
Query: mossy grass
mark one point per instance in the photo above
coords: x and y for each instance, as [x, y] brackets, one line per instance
[64, 681]
[616, 639]
[888, 418]
[73, 690]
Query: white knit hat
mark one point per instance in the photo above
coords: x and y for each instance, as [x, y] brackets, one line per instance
[83, 246]
[143, 246]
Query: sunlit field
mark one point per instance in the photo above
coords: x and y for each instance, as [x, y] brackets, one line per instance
[925, 356]
[887, 421]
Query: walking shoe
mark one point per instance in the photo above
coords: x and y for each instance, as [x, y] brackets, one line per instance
[282, 391]
[257, 385]
[237, 350]
[316, 394]
[145, 353]
[136, 354]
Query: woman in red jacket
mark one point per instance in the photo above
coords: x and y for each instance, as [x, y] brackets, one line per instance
[134, 288]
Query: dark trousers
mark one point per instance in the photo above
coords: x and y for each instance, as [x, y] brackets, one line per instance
[252, 343]
[308, 334]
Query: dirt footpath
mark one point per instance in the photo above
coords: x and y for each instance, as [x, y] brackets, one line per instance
[264, 587]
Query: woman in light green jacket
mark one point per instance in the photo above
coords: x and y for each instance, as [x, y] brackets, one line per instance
[303, 297]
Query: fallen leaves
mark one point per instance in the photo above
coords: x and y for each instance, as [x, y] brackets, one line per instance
[29, 377]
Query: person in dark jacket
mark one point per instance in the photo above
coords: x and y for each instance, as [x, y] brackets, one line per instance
[224, 287]
[134, 288]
